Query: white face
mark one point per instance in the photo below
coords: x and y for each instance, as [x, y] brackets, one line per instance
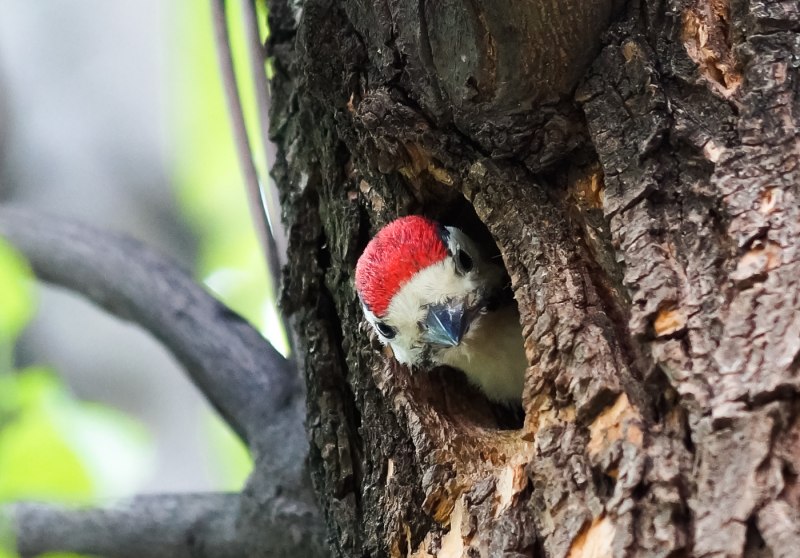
[464, 276]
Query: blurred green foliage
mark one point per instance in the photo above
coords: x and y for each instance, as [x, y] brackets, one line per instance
[212, 194]
[55, 447]
[207, 175]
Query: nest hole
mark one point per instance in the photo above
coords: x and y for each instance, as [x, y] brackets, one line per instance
[448, 390]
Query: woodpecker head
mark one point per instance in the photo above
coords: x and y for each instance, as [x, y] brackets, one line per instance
[423, 286]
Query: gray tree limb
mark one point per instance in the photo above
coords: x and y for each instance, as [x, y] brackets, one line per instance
[241, 374]
[158, 526]
[254, 388]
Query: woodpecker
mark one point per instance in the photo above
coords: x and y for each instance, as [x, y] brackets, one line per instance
[435, 299]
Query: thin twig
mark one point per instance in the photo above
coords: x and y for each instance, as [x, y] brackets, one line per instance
[241, 374]
[257, 58]
[243, 148]
[236, 115]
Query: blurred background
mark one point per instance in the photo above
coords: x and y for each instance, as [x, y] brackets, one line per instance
[113, 113]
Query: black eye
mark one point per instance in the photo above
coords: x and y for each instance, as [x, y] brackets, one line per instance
[386, 330]
[464, 261]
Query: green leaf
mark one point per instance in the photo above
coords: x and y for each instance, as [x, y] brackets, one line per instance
[37, 463]
[35, 459]
[116, 450]
[55, 447]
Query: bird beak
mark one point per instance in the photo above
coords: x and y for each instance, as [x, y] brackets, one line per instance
[446, 323]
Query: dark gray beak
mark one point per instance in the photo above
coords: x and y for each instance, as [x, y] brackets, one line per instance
[446, 323]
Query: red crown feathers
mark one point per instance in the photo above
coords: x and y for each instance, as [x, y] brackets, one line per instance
[393, 256]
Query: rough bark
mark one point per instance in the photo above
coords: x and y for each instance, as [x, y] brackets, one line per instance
[637, 168]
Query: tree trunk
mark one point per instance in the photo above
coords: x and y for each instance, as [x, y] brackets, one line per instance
[638, 168]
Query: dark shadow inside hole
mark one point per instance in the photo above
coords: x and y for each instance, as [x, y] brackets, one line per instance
[460, 213]
[603, 483]
[755, 546]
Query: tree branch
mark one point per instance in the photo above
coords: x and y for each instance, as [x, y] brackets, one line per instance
[165, 525]
[241, 374]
